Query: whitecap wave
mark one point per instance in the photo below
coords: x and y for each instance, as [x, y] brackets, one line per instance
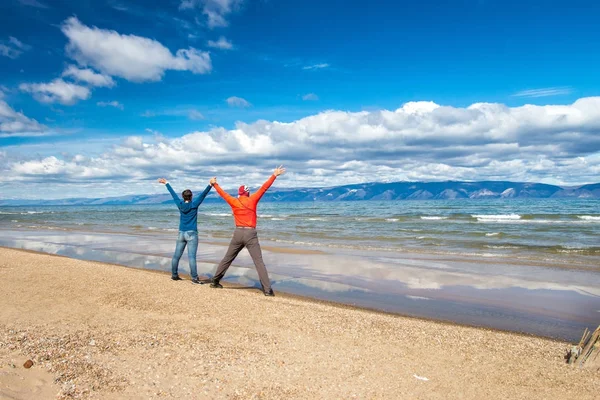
[497, 218]
[392, 219]
[589, 217]
[492, 234]
[433, 218]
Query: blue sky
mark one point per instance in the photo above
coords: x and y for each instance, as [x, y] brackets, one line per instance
[99, 97]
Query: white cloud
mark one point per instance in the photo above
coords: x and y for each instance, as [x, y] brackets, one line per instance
[13, 123]
[418, 141]
[135, 58]
[33, 3]
[57, 91]
[545, 92]
[88, 76]
[310, 97]
[238, 102]
[222, 44]
[7, 51]
[13, 48]
[114, 104]
[195, 115]
[316, 66]
[216, 11]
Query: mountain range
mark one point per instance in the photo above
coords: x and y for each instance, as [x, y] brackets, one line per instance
[367, 191]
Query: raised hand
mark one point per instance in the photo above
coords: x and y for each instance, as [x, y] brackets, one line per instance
[279, 170]
[213, 181]
[163, 181]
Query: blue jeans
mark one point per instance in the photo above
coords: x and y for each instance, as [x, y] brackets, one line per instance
[189, 238]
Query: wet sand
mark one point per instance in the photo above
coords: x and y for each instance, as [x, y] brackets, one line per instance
[106, 332]
[513, 295]
[540, 299]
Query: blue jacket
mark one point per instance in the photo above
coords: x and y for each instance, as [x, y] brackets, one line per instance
[188, 212]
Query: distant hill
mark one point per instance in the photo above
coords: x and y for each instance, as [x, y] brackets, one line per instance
[369, 191]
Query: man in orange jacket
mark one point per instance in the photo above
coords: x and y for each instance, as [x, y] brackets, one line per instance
[244, 214]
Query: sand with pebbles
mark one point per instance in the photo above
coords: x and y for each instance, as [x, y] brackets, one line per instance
[101, 331]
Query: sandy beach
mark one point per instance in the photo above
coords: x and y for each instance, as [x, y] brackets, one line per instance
[103, 331]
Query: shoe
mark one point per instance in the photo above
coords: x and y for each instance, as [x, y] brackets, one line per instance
[270, 293]
[176, 278]
[216, 285]
[197, 282]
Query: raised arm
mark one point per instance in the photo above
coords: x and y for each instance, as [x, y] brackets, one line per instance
[200, 199]
[226, 196]
[263, 189]
[176, 198]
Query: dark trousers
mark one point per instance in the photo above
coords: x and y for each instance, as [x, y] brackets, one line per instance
[249, 239]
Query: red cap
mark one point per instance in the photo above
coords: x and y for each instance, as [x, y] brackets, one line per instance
[243, 190]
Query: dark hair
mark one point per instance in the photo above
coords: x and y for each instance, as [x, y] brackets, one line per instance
[187, 195]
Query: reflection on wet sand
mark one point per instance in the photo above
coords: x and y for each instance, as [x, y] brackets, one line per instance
[528, 298]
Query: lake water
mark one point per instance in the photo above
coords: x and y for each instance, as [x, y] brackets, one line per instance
[523, 265]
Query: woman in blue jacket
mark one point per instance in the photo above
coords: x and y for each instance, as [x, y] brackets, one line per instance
[188, 229]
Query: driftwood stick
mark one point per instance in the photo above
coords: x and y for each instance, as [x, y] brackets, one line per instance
[589, 347]
[582, 341]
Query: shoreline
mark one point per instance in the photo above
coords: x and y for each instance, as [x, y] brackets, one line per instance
[534, 300]
[308, 299]
[100, 331]
[289, 248]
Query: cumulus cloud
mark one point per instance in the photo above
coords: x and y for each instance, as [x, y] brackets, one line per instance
[216, 11]
[135, 58]
[57, 91]
[310, 97]
[418, 141]
[222, 44]
[238, 102]
[316, 66]
[114, 104]
[545, 92]
[68, 93]
[13, 48]
[14, 123]
[88, 76]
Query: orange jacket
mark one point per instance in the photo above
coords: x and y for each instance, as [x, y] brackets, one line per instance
[244, 207]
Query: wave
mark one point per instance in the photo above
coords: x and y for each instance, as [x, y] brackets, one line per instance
[26, 212]
[497, 218]
[589, 217]
[433, 218]
[493, 234]
[417, 297]
[277, 219]
[218, 214]
[392, 219]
